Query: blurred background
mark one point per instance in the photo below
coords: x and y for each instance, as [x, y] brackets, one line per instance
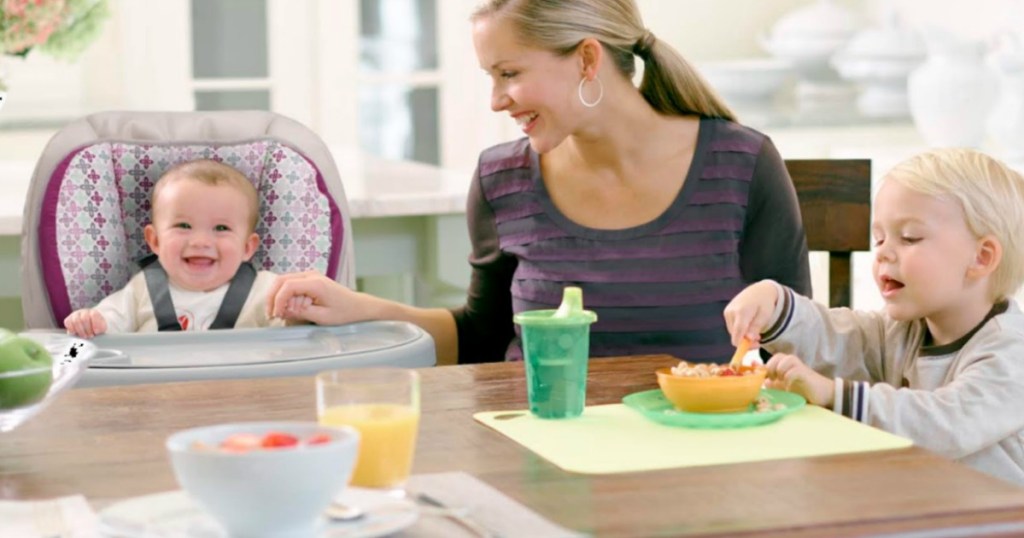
[396, 81]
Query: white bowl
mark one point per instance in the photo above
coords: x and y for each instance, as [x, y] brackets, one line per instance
[270, 492]
[748, 79]
[809, 36]
[808, 55]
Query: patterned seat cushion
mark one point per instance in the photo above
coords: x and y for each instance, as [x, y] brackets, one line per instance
[98, 201]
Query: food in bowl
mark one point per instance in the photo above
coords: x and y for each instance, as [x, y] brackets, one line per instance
[27, 391]
[701, 369]
[711, 388]
[264, 491]
[244, 442]
[26, 370]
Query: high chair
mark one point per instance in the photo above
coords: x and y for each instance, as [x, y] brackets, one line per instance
[89, 200]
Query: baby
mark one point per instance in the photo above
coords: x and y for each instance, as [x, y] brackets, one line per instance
[943, 363]
[199, 276]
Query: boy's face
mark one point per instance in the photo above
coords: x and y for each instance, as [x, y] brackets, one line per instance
[923, 251]
[200, 233]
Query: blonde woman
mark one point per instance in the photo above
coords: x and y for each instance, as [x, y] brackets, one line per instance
[651, 198]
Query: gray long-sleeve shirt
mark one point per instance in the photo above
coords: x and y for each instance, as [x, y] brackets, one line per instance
[962, 400]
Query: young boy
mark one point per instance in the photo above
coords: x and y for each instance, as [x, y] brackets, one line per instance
[943, 364]
[202, 237]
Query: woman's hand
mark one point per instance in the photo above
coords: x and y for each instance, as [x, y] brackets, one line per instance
[85, 323]
[750, 312]
[311, 296]
[789, 373]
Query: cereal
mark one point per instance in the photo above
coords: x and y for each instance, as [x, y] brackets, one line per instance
[685, 369]
[764, 405]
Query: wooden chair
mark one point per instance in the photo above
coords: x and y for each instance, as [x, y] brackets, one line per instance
[835, 202]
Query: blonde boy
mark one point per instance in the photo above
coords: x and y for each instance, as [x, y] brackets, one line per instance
[943, 363]
[203, 236]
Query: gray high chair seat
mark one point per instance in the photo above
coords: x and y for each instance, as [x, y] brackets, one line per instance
[89, 200]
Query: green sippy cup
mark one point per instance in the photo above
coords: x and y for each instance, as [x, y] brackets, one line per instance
[556, 349]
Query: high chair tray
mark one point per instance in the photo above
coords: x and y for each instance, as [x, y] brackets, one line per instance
[298, 350]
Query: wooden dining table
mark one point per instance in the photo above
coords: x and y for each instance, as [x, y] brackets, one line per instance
[108, 444]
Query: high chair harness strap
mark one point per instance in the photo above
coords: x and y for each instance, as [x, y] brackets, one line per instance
[163, 306]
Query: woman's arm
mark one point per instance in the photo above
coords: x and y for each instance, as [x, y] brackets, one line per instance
[774, 244]
[485, 321]
[313, 297]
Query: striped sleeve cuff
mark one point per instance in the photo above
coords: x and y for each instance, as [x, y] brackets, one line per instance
[783, 314]
[852, 399]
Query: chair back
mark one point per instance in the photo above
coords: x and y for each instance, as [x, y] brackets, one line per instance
[89, 200]
[835, 203]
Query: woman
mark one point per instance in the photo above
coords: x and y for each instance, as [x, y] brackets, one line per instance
[651, 199]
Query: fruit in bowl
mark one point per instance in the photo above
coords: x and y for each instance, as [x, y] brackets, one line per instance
[264, 478]
[35, 368]
[711, 388]
[26, 370]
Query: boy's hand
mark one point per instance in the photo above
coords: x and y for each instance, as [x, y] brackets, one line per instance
[85, 323]
[789, 373]
[751, 311]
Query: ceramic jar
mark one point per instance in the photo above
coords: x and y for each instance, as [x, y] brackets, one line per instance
[952, 93]
[879, 60]
[809, 36]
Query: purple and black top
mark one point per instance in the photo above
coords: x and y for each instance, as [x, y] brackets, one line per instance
[656, 288]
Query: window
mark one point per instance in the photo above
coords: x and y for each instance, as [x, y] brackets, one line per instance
[229, 55]
[399, 79]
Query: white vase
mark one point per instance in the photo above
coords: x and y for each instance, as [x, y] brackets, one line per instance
[952, 93]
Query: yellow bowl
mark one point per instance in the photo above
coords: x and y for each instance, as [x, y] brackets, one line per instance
[716, 394]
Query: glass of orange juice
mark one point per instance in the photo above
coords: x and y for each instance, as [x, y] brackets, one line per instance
[384, 405]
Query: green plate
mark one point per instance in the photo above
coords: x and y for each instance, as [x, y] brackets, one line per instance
[653, 405]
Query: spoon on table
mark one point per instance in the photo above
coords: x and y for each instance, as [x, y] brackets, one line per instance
[741, 351]
[339, 511]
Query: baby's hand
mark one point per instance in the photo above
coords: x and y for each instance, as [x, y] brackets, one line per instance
[751, 311]
[788, 372]
[295, 310]
[85, 323]
[298, 304]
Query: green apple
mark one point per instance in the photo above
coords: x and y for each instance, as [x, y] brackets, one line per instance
[20, 353]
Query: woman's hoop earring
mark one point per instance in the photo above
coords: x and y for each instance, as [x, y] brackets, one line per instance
[600, 93]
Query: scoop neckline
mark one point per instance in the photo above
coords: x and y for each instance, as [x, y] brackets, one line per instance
[704, 132]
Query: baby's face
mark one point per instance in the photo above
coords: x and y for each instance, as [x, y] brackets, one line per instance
[923, 248]
[201, 233]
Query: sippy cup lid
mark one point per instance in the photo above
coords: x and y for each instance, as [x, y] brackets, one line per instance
[570, 312]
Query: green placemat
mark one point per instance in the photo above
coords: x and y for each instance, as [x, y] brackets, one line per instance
[615, 439]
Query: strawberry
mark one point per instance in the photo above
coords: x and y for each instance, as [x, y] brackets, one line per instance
[278, 440]
[318, 439]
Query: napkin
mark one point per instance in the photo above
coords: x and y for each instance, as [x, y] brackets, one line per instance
[487, 507]
[63, 517]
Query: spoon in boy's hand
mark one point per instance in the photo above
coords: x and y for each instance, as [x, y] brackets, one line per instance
[741, 350]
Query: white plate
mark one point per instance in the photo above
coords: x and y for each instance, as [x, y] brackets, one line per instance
[173, 514]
